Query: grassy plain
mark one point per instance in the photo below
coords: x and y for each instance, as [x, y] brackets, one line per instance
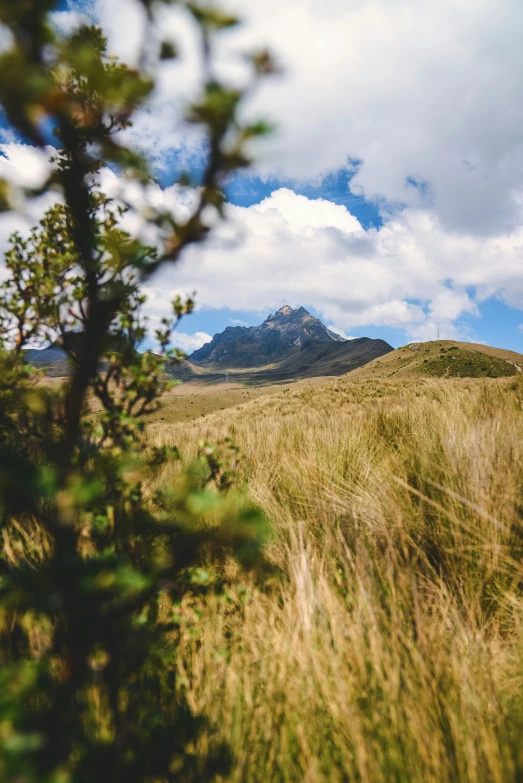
[443, 358]
[388, 644]
[193, 399]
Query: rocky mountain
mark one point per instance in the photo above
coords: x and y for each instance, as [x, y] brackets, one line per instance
[277, 338]
[290, 343]
[53, 358]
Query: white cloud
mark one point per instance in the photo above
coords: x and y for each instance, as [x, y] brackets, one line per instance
[124, 21]
[159, 128]
[190, 342]
[237, 322]
[67, 22]
[428, 95]
[412, 273]
[427, 91]
[24, 166]
[6, 38]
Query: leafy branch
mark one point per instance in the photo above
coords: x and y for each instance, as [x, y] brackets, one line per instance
[95, 695]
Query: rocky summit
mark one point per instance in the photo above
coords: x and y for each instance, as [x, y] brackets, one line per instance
[280, 336]
[289, 344]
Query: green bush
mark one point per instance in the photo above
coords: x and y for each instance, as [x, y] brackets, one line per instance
[468, 364]
[94, 561]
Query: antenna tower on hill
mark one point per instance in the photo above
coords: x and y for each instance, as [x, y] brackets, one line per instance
[438, 333]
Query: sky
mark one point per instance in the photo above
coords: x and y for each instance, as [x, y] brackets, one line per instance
[389, 200]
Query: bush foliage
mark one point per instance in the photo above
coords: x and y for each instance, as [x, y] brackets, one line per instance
[94, 561]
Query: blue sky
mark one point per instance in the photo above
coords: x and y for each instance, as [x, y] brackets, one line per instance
[389, 202]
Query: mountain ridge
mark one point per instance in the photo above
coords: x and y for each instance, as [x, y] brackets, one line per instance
[289, 344]
[281, 334]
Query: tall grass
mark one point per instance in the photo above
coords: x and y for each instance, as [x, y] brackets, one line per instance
[389, 647]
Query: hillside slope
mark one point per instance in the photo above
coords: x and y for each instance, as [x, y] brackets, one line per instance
[313, 359]
[387, 644]
[53, 358]
[443, 359]
[317, 358]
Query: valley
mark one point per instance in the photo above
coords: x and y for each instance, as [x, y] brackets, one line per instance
[444, 359]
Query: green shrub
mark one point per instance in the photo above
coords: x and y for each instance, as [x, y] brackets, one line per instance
[468, 364]
[94, 561]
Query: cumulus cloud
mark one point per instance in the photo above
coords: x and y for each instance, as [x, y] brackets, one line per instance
[341, 332]
[24, 166]
[412, 273]
[68, 21]
[428, 97]
[237, 322]
[423, 105]
[190, 342]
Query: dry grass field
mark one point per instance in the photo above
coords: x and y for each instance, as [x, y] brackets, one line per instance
[193, 399]
[387, 645]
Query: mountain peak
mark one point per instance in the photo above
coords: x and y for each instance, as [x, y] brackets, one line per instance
[281, 335]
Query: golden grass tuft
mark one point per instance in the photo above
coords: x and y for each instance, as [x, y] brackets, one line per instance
[390, 646]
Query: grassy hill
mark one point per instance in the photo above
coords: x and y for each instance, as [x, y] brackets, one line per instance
[384, 642]
[205, 391]
[443, 359]
[387, 644]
